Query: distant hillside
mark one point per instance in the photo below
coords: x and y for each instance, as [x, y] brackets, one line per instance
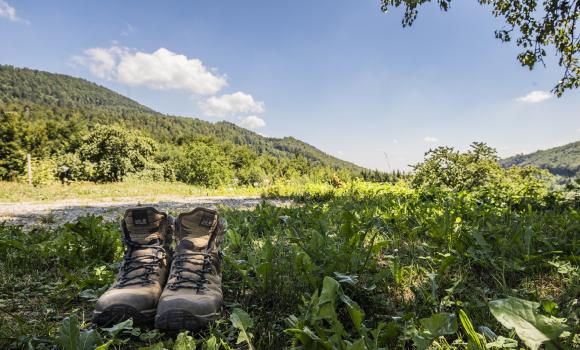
[563, 160]
[60, 90]
[60, 97]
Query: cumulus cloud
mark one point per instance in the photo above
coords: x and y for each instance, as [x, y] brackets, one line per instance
[231, 104]
[535, 96]
[159, 70]
[252, 122]
[9, 12]
[430, 139]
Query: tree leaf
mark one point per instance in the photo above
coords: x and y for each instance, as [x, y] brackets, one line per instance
[532, 328]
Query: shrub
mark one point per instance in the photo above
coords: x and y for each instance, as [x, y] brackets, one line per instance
[116, 152]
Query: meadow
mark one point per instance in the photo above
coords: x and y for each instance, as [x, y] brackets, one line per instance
[469, 256]
[90, 192]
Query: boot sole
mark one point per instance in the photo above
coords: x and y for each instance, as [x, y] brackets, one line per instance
[176, 320]
[119, 313]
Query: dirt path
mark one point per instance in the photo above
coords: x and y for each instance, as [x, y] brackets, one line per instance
[56, 213]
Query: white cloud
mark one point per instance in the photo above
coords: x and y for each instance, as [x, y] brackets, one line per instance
[395, 141]
[535, 96]
[160, 70]
[430, 139]
[9, 12]
[252, 122]
[340, 153]
[231, 104]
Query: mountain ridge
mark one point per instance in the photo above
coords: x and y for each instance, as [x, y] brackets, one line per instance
[33, 89]
[562, 160]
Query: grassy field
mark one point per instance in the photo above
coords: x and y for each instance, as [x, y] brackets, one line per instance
[361, 267]
[88, 191]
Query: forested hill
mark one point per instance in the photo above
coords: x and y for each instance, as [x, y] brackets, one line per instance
[56, 97]
[33, 86]
[563, 160]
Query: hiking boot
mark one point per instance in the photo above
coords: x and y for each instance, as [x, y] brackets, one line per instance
[134, 294]
[193, 294]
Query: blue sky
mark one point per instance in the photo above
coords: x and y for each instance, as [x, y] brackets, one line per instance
[338, 74]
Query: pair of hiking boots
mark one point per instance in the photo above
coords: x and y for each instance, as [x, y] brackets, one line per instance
[178, 290]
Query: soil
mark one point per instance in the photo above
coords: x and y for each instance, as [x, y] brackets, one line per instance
[56, 213]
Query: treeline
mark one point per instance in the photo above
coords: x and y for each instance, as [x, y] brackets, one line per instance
[562, 160]
[59, 97]
[102, 153]
[383, 176]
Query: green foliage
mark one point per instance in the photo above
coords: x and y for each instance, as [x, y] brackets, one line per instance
[116, 152]
[475, 340]
[78, 169]
[52, 115]
[539, 28]
[479, 173]
[436, 326]
[206, 164]
[184, 341]
[319, 327]
[243, 323]
[562, 160]
[12, 154]
[72, 338]
[532, 328]
[364, 265]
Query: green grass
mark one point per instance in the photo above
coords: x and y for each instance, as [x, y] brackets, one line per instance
[363, 266]
[11, 192]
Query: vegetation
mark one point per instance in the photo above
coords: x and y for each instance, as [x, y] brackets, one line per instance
[551, 26]
[98, 135]
[452, 259]
[130, 189]
[562, 160]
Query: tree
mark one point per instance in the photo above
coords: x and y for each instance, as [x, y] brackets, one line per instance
[447, 168]
[478, 172]
[116, 152]
[12, 154]
[537, 29]
[205, 164]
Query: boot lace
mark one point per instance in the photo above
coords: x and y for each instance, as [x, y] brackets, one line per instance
[188, 262]
[147, 264]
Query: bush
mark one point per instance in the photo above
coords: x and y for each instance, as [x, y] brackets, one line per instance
[478, 172]
[204, 163]
[78, 170]
[116, 152]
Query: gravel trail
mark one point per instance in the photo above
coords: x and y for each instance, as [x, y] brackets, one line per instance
[59, 212]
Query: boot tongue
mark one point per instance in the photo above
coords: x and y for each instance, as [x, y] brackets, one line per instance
[144, 225]
[196, 228]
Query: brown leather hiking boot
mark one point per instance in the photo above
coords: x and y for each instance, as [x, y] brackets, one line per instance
[147, 235]
[193, 294]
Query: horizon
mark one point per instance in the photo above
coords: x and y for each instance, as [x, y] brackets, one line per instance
[337, 69]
